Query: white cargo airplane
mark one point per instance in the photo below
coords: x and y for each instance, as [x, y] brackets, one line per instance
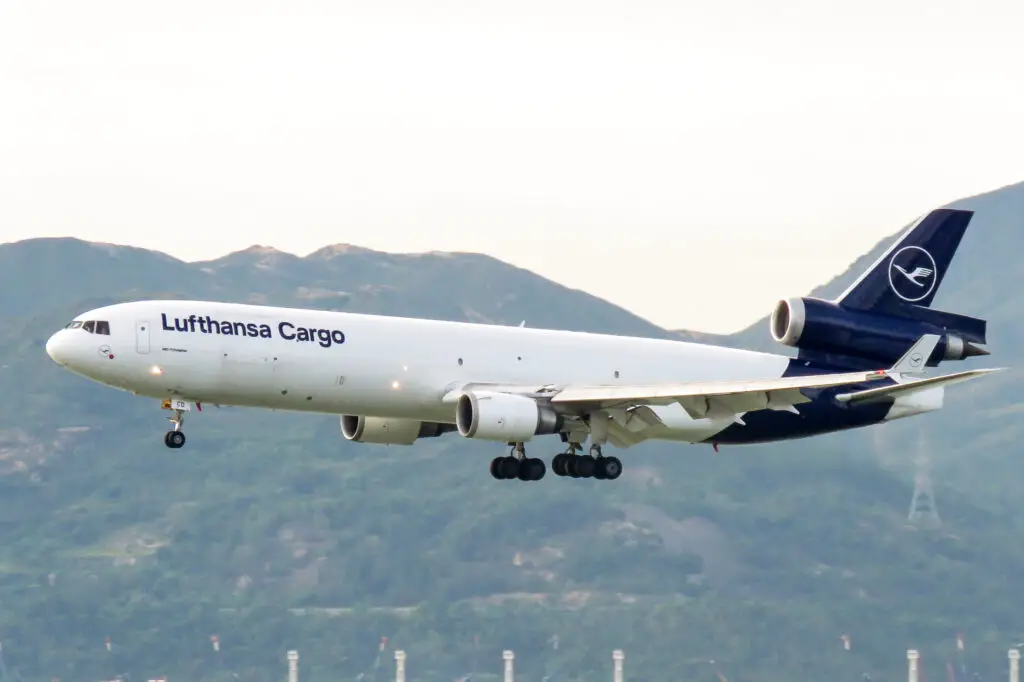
[394, 380]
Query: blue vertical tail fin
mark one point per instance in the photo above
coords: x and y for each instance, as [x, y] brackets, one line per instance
[908, 275]
[903, 282]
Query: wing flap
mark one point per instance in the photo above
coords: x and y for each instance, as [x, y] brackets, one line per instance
[635, 419]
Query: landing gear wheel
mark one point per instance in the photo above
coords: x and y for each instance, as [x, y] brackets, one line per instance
[531, 469]
[582, 467]
[517, 465]
[610, 468]
[509, 467]
[174, 439]
[572, 465]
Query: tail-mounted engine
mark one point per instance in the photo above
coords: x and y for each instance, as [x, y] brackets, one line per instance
[817, 326]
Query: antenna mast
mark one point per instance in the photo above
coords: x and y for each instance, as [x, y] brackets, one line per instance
[923, 511]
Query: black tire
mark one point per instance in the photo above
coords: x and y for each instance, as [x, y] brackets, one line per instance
[510, 467]
[496, 468]
[174, 439]
[525, 469]
[585, 467]
[612, 468]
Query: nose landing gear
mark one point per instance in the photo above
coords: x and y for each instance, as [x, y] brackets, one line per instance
[175, 438]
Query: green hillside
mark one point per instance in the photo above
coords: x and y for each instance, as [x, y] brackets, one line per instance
[272, 532]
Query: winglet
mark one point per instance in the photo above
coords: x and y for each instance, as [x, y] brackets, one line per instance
[915, 360]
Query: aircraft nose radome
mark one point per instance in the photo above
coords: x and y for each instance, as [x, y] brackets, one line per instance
[54, 346]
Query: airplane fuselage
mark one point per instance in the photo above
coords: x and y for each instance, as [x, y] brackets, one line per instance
[391, 367]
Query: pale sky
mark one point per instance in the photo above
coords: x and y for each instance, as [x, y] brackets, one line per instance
[690, 160]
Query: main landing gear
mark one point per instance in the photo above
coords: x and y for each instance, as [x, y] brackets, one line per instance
[568, 464]
[596, 465]
[175, 438]
[518, 465]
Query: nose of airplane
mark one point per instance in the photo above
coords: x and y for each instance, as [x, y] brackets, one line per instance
[56, 347]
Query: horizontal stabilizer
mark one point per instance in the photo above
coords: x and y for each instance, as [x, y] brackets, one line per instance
[907, 387]
[972, 329]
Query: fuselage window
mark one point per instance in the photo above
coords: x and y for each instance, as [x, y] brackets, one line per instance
[102, 327]
[89, 326]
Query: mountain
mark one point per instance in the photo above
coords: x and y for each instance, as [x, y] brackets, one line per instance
[272, 532]
[437, 285]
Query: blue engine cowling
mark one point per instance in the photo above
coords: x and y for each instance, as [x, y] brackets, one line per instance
[823, 327]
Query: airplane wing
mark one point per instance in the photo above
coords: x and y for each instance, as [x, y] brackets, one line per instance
[699, 398]
[721, 399]
[708, 398]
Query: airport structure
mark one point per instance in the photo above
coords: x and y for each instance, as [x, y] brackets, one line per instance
[619, 657]
[914, 671]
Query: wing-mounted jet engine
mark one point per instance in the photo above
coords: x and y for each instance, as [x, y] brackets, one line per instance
[389, 431]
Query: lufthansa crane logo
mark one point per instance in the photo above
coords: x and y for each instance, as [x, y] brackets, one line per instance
[912, 273]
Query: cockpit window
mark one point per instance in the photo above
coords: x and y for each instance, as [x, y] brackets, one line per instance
[91, 326]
